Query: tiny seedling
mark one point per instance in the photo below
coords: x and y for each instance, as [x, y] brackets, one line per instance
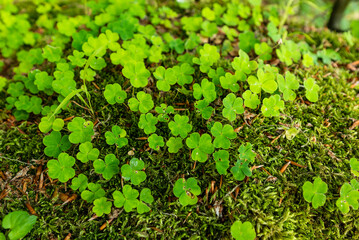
[48, 123]
[241, 170]
[243, 231]
[62, 168]
[107, 168]
[133, 171]
[187, 191]
[315, 192]
[19, 224]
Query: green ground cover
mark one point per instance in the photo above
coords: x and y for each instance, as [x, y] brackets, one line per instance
[257, 109]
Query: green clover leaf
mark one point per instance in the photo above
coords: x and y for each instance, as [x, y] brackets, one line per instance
[64, 83]
[79, 183]
[16, 89]
[180, 126]
[53, 54]
[114, 94]
[209, 14]
[137, 73]
[232, 106]
[216, 74]
[101, 206]
[55, 144]
[145, 197]
[229, 81]
[288, 85]
[205, 110]
[148, 123]
[243, 231]
[311, 90]
[107, 168]
[251, 100]
[187, 191]
[155, 142]
[165, 77]
[354, 165]
[246, 153]
[184, 73]
[82, 131]
[263, 50]
[349, 196]
[62, 168]
[127, 199]
[201, 145]
[222, 135]
[247, 41]
[265, 81]
[315, 192]
[117, 136]
[222, 161]
[174, 144]
[288, 52]
[209, 29]
[87, 74]
[241, 170]
[43, 82]
[243, 66]
[87, 152]
[209, 56]
[97, 63]
[133, 171]
[20, 223]
[77, 58]
[95, 192]
[272, 106]
[207, 89]
[143, 103]
[163, 112]
[47, 124]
